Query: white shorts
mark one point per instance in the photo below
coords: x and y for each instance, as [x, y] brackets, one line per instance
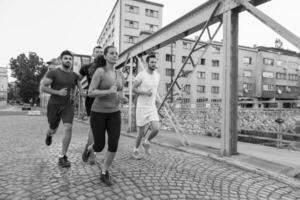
[144, 116]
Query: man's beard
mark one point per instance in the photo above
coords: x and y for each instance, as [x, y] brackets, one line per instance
[152, 68]
[67, 66]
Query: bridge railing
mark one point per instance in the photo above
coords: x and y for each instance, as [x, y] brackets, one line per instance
[265, 122]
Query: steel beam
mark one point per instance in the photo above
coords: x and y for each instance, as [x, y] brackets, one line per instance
[285, 33]
[130, 95]
[190, 23]
[190, 53]
[230, 83]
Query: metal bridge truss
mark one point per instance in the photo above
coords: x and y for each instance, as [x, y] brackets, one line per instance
[226, 13]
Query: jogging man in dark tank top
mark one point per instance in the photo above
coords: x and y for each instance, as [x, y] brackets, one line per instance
[61, 83]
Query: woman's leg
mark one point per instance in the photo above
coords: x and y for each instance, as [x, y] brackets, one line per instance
[113, 132]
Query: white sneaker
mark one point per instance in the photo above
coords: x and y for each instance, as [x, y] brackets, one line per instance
[92, 158]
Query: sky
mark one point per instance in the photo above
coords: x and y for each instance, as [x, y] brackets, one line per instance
[48, 27]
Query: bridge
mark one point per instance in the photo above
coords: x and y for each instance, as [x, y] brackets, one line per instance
[223, 13]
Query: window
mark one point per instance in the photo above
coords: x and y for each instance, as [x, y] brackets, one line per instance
[247, 73]
[293, 77]
[215, 63]
[248, 86]
[201, 75]
[269, 87]
[186, 100]
[215, 76]
[184, 58]
[151, 13]
[280, 75]
[170, 72]
[216, 100]
[185, 73]
[131, 39]
[247, 60]
[294, 89]
[202, 100]
[201, 88]
[151, 27]
[187, 88]
[168, 85]
[202, 61]
[280, 63]
[215, 89]
[131, 9]
[281, 88]
[268, 61]
[186, 45]
[131, 24]
[170, 58]
[268, 74]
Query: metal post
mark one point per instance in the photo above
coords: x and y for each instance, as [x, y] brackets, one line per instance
[130, 97]
[230, 83]
[171, 72]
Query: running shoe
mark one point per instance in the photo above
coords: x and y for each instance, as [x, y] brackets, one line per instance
[106, 178]
[63, 162]
[86, 154]
[48, 140]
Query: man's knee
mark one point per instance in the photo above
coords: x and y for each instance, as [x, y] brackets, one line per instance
[155, 126]
[68, 127]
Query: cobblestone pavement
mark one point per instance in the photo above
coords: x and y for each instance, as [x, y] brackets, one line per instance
[28, 170]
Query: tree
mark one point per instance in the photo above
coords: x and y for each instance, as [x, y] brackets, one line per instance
[12, 93]
[28, 71]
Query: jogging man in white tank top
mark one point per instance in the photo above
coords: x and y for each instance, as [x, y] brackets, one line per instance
[145, 86]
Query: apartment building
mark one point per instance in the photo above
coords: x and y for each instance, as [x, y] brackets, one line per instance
[197, 85]
[279, 72]
[126, 21]
[3, 86]
[264, 73]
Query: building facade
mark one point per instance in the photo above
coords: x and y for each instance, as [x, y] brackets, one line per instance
[127, 19]
[279, 72]
[3, 86]
[264, 73]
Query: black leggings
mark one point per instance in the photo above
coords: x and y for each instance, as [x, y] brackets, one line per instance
[110, 122]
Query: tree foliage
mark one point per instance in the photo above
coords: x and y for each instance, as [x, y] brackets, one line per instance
[28, 71]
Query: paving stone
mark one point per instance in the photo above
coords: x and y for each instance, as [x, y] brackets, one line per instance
[29, 170]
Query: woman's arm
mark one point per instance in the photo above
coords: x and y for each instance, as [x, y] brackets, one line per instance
[122, 97]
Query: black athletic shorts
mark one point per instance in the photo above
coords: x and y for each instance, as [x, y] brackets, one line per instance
[57, 112]
[88, 105]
